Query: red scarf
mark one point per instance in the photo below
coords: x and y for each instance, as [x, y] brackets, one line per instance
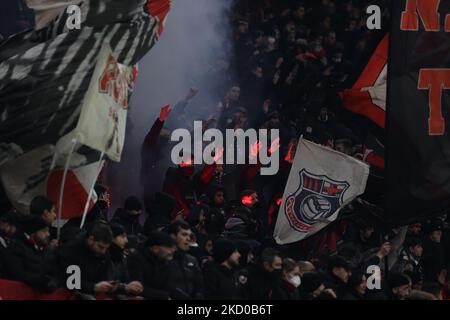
[34, 244]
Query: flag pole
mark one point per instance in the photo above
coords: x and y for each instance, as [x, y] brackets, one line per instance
[91, 190]
[61, 191]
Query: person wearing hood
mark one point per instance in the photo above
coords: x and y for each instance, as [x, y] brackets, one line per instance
[220, 279]
[257, 281]
[287, 288]
[159, 208]
[216, 201]
[129, 215]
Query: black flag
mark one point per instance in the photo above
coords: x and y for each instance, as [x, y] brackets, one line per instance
[418, 111]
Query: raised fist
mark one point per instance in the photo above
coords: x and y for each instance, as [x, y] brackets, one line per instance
[164, 113]
[315, 207]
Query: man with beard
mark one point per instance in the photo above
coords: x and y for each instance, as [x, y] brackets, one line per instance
[258, 281]
[128, 217]
[28, 258]
[90, 253]
[149, 265]
[220, 279]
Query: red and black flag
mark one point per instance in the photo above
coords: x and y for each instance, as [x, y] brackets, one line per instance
[418, 121]
[367, 96]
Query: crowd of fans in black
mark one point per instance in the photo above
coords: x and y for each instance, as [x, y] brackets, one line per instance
[207, 232]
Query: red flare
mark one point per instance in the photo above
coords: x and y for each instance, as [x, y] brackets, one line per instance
[246, 200]
[289, 153]
[275, 145]
[279, 200]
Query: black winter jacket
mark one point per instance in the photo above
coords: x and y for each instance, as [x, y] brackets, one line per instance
[185, 280]
[220, 282]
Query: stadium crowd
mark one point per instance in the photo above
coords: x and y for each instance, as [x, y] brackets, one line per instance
[206, 232]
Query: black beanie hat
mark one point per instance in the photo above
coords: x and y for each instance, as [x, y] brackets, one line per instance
[33, 224]
[434, 225]
[159, 239]
[397, 279]
[133, 203]
[311, 281]
[117, 229]
[223, 249]
[338, 262]
[9, 217]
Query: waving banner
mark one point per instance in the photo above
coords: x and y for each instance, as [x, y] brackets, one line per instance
[418, 124]
[320, 183]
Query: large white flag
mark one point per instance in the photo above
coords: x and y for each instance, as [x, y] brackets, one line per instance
[320, 183]
[103, 117]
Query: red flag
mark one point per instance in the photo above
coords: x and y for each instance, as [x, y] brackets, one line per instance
[367, 97]
[160, 9]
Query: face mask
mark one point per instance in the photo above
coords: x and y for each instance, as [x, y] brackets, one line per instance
[295, 281]
[275, 274]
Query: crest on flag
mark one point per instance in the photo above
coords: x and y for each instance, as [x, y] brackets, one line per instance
[322, 181]
[317, 198]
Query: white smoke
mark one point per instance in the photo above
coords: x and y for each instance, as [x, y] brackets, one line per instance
[196, 40]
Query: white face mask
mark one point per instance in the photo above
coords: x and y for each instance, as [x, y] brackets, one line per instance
[295, 281]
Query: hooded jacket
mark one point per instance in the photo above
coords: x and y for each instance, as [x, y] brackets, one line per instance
[27, 263]
[94, 269]
[144, 267]
[220, 282]
[186, 279]
[129, 222]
